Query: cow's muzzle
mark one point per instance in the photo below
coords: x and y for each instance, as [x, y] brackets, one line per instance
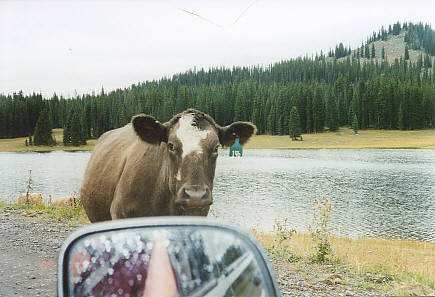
[194, 196]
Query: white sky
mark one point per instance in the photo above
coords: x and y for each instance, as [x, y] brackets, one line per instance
[68, 46]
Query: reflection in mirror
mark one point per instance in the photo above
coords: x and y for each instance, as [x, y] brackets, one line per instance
[168, 261]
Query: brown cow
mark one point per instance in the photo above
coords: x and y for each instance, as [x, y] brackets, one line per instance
[151, 169]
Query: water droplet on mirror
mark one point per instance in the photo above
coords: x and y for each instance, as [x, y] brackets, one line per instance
[145, 258]
[85, 265]
[149, 245]
[139, 246]
[94, 244]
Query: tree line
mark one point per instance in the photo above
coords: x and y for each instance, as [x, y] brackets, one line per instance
[326, 93]
[417, 37]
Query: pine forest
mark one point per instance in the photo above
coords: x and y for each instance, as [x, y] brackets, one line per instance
[328, 91]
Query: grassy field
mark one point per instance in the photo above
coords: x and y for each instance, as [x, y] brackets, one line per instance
[398, 267]
[343, 138]
[19, 144]
[347, 139]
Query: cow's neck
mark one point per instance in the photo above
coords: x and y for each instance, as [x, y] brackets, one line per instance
[164, 197]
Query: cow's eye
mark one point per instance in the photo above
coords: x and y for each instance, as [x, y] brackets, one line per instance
[171, 147]
[216, 149]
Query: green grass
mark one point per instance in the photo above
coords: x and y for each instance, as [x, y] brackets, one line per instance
[72, 216]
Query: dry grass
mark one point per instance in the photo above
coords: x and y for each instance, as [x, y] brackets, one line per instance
[343, 138]
[407, 266]
[346, 138]
[410, 264]
[73, 216]
[19, 144]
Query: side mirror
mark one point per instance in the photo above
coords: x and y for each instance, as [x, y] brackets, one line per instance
[163, 256]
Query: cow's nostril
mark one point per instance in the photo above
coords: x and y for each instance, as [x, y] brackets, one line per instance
[194, 196]
[195, 193]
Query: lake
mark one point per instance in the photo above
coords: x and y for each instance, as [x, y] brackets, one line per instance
[373, 192]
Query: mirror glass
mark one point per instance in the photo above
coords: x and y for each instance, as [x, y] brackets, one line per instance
[168, 261]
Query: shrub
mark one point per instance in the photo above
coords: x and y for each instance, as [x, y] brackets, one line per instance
[319, 230]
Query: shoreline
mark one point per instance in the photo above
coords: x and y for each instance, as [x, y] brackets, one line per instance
[344, 138]
[226, 149]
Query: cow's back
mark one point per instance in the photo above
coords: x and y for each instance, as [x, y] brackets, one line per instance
[104, 170]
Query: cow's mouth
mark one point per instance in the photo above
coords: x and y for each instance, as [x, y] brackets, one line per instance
[183, 210]
[186, 204]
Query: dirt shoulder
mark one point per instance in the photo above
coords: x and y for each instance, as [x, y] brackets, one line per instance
[30, 245]
[29, 248]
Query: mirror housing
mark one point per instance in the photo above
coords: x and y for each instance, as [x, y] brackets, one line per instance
[206, 258]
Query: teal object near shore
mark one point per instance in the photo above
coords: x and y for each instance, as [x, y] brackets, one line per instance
[236, 150]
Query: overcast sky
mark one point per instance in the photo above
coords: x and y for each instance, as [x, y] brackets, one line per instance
[68, 46]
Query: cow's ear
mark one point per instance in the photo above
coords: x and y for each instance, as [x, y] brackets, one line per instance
[243, 130]
[149, 129]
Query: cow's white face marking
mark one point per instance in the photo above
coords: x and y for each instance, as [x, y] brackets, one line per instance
[190, 136]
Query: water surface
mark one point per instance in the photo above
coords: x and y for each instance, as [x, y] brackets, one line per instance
[374, 192]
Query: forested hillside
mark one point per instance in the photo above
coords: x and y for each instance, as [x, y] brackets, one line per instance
[327, 90]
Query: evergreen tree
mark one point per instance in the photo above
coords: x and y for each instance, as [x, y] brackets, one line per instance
[355, 125]
[294, 124]
[332, 112]
[309, 112]
[401, 118]
[84, 128]
[373, 51]
[383, 53]
[67, 133]
[406, 52]
[76, 138]
[42, 134]
[318, 110]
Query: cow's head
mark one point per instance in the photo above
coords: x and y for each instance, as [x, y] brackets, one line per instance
[191, 140]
